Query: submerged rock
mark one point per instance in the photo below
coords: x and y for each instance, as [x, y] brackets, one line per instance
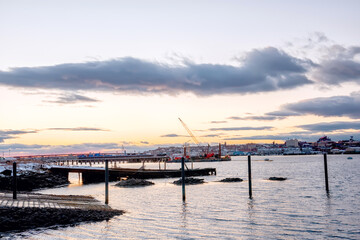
[190, 181]
[277, 178]
[132, 182]
[231, 180]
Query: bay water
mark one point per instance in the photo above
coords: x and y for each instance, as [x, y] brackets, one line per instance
[298, 208]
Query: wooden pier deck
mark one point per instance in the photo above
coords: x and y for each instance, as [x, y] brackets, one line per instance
[95, 174]
[33, 200]
[112, 160]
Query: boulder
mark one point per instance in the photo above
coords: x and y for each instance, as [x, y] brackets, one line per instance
[190, 181]
[277, 178]
[6, 172]
[132, 182]
[231, 180]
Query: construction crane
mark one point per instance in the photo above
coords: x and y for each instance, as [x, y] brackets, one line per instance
[190, 133]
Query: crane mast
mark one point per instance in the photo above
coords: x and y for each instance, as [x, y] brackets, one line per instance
[189, 132]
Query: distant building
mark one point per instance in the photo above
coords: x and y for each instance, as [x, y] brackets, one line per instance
[292, 143]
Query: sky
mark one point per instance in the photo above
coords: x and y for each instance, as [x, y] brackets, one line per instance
[104, 76]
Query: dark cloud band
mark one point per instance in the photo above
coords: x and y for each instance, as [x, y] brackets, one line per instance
[337, 106]
[261, 70]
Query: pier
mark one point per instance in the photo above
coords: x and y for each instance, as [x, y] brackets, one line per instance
[112, 160]
[97, 174]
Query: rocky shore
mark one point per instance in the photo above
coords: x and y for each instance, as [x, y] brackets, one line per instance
[28, 181]
[14, 219]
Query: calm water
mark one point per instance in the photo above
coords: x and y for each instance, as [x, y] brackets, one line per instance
[297, 208]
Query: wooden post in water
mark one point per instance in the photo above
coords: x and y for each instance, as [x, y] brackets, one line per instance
[249, 176]
[14, 183]
[106, 181]
[326, 173]
[183, 178]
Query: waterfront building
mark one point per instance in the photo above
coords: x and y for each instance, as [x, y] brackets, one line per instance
[292, 143]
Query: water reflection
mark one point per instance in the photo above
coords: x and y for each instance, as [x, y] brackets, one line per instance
[294, 209]
[184, 215]
[251, 211]
[75, 180]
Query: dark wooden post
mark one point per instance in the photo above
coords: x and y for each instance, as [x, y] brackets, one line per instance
[14, 183]
[220, 151]
[249, 176]
[106, 181]
[183, 177]
[326, 173]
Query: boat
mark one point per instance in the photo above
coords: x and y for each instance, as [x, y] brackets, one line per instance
[349, 158]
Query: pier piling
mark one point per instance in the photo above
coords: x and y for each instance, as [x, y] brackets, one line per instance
[106, 181]
[326, 173]
[249, 176]
[183, 178]
[14, 183]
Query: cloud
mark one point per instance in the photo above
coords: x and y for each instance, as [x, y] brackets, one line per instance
[259, 118]
[173, 135]
[339, 106]
[283, 113]
[18, 149]
[9, 134]
[240, 128]
[261, 70]
[331, 126]
[300, 136]
[211, 135]
[21, 149]
[77, 129]
[216, 122]
[19, 146]
[144, 142]
[72, 98]
[339, 65]
[260, 137]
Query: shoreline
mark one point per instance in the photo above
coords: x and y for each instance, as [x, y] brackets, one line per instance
[16, 220]
[32, 211]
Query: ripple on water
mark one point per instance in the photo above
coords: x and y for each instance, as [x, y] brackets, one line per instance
[294, 209]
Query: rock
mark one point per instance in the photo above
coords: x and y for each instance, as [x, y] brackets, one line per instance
[190, 181]
[277, 178]
[28, 181]
[6, 172]
[22, 219]
[231, 180]
[132, 182]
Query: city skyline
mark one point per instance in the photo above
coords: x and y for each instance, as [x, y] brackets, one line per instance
[98, 75]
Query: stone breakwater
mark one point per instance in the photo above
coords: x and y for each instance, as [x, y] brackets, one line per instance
[14, 219]
[28, 181]
[31, 211]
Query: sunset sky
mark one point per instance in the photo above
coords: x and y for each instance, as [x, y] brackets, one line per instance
[80, 76]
